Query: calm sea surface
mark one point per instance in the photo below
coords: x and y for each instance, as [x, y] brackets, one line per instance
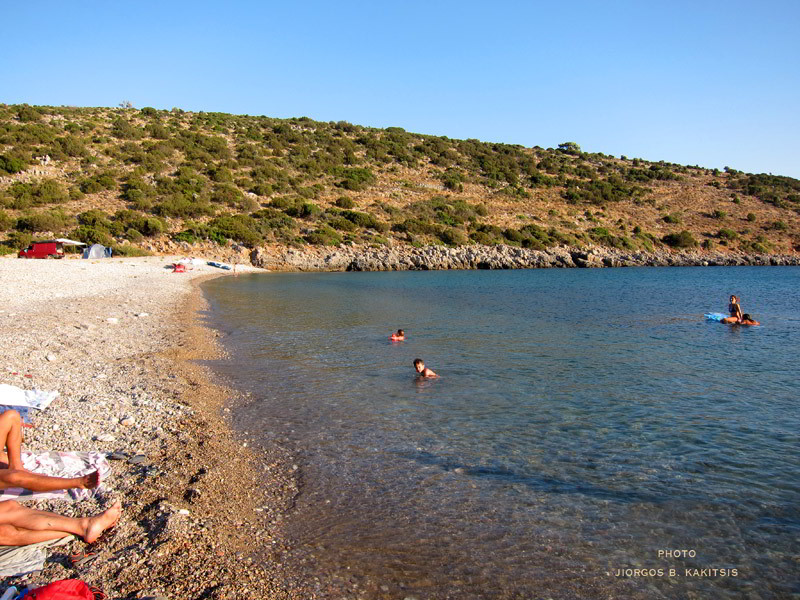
[586, 425]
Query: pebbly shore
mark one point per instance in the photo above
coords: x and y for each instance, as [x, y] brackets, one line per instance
[119, 339]
[400, 258]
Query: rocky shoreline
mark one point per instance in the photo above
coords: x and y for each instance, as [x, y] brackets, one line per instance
[401, 258]
[119, 340]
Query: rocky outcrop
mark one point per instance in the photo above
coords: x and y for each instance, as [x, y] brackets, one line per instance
[409, 258]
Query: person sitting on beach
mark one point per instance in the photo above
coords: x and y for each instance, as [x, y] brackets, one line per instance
[422, 369]
[13, 474]
[735, 311]
[399, 336]
[20, 526]
[748, 320]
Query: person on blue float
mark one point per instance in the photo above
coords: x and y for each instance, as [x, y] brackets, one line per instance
[735, 311]
[748, 320]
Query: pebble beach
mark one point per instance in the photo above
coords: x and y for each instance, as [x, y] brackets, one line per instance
[120, 340]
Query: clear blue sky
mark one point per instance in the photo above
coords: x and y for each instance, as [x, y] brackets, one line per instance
[709, 83]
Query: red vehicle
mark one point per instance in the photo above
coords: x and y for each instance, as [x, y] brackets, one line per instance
[43, 250]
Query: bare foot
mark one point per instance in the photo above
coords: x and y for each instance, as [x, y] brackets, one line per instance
[101, 522]
[91, 481]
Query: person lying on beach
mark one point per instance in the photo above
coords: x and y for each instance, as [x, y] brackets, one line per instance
[735, 311]
[13, 474]
[20, 526]
[422, 369]
[399, 336]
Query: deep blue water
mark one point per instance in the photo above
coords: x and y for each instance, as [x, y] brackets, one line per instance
[583, 421]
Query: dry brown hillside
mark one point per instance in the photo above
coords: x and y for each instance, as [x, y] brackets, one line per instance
[128, 177]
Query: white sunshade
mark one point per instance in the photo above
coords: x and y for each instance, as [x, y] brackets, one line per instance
[67, 242]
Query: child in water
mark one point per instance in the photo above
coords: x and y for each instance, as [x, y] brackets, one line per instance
[422, 369]
[399, 336]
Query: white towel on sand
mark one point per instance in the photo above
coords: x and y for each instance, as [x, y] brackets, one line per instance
[11, 395]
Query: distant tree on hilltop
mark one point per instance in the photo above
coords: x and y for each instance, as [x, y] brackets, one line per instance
[570, 148]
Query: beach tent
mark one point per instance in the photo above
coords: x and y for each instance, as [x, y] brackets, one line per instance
[97, 251]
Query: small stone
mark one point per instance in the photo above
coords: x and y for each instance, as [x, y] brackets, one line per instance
[105, 437]
[137, 459]
[128, 421]
[460, 470]
[50, 357]
[112, 320]
[143, 314]
[183, 511]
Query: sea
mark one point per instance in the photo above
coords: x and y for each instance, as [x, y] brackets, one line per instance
[590, 434]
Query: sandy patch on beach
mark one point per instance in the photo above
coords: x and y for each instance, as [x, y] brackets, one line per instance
[117, 339]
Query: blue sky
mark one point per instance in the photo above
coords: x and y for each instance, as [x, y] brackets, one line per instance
[712, 83]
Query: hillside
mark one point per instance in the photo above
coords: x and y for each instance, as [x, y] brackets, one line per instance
[136, 178]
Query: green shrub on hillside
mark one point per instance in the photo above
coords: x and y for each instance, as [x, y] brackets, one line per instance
[345, 202]
[354, 178]
[341, 223]
[11, 164]
[19, 240]
[53, 221]
[128, 250]
[239, 228]
[303, 210]
[684, 239]
[98, 183]
[452, 236]
[324, 236]
[453, 180]
[364, 220]
[26, 195]
[124, 130]
[91, 235]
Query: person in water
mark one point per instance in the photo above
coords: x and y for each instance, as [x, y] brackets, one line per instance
[399, 336]
[13, 474]
[748, 320]
[735, 311]
[422, 369]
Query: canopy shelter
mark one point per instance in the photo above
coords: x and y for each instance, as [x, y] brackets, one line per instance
[66, 242]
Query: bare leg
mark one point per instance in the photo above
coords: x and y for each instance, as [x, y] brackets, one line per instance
[15, 536]
[19, 524]
[11, 438]
[44, 483]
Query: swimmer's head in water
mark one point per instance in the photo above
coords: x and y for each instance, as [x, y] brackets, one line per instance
[400, 332]
[419, 365]
[734, 299]
[747, 317]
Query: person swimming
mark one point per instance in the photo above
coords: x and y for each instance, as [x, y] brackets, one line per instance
[734, 310]
[398, 336]
[422, 370]
[748, 320]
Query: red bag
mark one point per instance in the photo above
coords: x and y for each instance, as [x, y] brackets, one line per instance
[65, 589]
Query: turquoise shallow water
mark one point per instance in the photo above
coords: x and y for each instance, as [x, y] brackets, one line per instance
[585, 423]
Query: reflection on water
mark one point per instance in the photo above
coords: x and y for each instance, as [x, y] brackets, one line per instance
[583, 421]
